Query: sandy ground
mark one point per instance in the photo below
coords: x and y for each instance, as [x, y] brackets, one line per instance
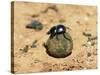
[80, 19]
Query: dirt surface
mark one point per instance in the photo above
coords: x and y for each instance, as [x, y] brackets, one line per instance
[82, 22]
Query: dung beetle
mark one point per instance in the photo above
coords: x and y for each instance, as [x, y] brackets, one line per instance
[56, 30]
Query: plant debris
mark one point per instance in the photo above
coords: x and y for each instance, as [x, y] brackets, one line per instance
[90, 39]
[33, 44]
[87, 34]
[84, 45]
[25, 49]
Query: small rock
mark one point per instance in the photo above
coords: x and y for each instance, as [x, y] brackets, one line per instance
[35, 15]
[62, 20]
[35, 25]
[89, 54]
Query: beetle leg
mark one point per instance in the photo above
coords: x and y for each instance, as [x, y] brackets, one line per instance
[65, 36]
[57, 37]
[44, 44]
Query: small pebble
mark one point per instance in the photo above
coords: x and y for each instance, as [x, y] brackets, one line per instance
[62, 20]
[78, 22]
[93, 43]
[87, 34]
[84, 45]
[36, 61]
[35, 24]
[89, 54]
[89, 43]
[35, 15]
